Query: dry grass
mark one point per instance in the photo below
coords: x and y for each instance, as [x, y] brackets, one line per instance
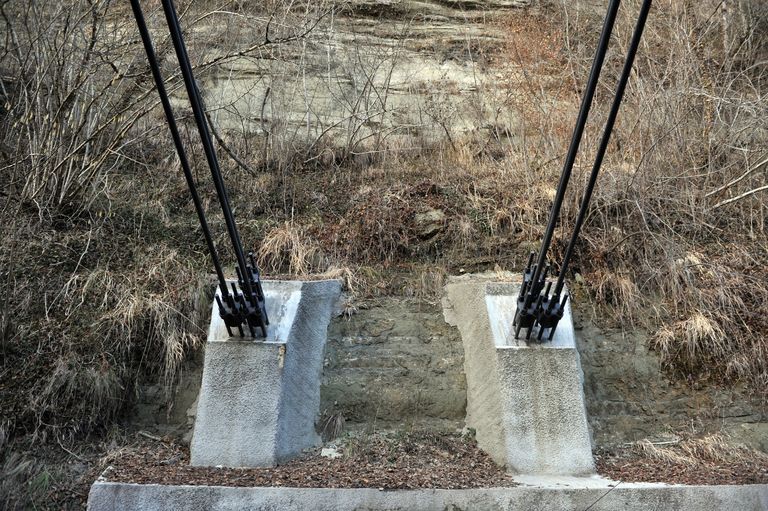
[699, 452]
[97, 296]
[660, 247]
[17, 470]
[693, 460]
[287, 248]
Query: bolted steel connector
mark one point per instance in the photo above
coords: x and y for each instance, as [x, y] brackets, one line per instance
[230, 311]
[528, 300]
[252, 305]
[550, 314]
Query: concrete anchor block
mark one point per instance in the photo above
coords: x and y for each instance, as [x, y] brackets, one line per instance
[259, 399]
[525, 401]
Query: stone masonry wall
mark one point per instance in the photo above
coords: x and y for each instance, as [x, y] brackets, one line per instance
[629, 396]
[400, 362]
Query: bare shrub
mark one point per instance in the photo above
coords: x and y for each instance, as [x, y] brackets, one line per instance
[675, 228]
[96, 295]
[72, 101]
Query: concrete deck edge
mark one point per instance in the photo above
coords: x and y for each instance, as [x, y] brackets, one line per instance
[111, 496]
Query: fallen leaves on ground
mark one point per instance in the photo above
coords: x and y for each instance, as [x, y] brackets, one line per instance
[384, 461]
[397, 460]
[696, 461]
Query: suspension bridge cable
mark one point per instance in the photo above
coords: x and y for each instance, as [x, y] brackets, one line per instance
[205, 136]
[171, 119]
[573, 149]
[619, 95]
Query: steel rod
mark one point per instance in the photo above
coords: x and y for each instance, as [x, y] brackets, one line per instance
[171, 119]
[205, 136]
[619, 95]
[586, 103]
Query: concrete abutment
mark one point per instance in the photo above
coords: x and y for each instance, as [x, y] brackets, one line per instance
[524, 400]
[259, 399]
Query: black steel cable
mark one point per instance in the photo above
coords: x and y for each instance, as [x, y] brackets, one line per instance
[163, 93]
[586, 103]
[620, 88]
[205, 136]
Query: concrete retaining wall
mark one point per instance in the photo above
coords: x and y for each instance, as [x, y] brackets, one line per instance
[259, 399]
[106, 496]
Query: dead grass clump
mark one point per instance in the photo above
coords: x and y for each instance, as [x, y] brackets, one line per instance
[430, 285]
[618, 291]
[649, 450]
[288, 248]
[78, 391]
[114, 329]
[720, 334]
[23, 482]
[699, 338]
[378, 226]
[694, 460]
[350, 282]
[699, 452]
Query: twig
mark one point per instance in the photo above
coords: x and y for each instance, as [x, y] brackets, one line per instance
[622, 240]
[151, 437]
[68, 451]
[745, 174]
[226, 148]
[263, 107]
[667, 442]
[739, 197]
[268, 42]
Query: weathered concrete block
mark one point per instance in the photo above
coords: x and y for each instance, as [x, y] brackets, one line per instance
[259, 399]
[525, 401]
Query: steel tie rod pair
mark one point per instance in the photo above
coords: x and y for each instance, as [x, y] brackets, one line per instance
[245, 302]
[536, 307]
